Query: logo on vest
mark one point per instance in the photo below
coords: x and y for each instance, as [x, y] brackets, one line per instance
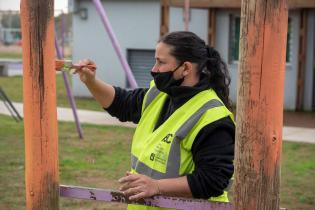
[152, 156]
[166, 138]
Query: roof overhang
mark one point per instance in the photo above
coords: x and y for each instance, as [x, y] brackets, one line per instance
[293, 4]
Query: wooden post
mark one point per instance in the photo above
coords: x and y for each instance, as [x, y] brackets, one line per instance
[260, 104]
[40, 115]
[301, 60]
[165, 17]
[211, 26]
[186, 15]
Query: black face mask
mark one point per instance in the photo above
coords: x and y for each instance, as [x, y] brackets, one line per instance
[164, 81]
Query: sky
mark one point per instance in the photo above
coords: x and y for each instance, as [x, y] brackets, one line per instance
[15, 4]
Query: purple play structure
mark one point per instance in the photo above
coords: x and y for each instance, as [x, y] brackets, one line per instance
[60, 55]
[101, 11]
[156, 201]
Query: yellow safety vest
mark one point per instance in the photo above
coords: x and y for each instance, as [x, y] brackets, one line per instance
[166, 151]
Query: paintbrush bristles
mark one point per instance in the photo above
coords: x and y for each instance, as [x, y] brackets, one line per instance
[59, 64]
[65, 65]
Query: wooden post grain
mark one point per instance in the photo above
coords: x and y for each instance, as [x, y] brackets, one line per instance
[186, 15]
[211, 26]
[165, 17]
[260, 104]
[39, 97]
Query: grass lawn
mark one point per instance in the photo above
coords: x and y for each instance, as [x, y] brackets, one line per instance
[13, 86]
[103, 157]
[97, 161]
[10, 55]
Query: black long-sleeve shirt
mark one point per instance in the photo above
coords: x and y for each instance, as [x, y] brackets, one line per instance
[212, 150]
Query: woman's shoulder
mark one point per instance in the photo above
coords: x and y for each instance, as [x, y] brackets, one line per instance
[220, 132]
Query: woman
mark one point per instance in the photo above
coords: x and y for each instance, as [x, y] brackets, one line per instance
[184, 142]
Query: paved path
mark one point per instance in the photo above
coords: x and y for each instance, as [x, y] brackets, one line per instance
[295, 134]
[66, 115]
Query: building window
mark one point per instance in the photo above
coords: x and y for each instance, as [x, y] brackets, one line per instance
[235, 25]
[289, 38]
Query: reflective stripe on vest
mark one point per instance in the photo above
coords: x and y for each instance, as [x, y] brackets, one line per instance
[173, 162]
[152, 94]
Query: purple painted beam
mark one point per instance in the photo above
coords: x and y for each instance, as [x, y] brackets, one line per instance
[157, 201]
[101, 11]
[69, 93]
[63, 29]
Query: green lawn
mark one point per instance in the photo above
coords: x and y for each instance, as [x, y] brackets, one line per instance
[297, 176]
[13, 86]
[10, 55]
[103, 157]
[97, 161]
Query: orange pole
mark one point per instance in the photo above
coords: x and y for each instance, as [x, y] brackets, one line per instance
[165, 17]
[40, 115]
[260, 104]
[187, 14]
[211, 26]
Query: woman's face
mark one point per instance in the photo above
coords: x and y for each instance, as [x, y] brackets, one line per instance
[164, 61]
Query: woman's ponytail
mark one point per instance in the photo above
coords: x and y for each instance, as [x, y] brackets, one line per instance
[218, 74]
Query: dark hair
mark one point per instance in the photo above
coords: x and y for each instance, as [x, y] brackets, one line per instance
[187, 46]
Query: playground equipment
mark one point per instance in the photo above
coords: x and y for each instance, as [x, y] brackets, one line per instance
[187, 5]
[69, 93]
[8, 104]
[260, 104]
[186, 14]
[60, 55]
[259, 113]
[115, 43]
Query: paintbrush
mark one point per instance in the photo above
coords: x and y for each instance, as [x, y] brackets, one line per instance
[68, 66]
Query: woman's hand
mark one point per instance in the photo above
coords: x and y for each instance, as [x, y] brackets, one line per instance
[137, 186]
[86, 75]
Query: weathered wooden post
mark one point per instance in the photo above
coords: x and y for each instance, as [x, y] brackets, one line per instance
[40, 116]
[260, 104]
[165, 17]
[186, 15]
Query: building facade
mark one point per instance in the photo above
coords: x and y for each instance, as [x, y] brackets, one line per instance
[137, 27]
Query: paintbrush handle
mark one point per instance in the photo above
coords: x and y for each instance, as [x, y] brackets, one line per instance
[62, 65]
[92, 67]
